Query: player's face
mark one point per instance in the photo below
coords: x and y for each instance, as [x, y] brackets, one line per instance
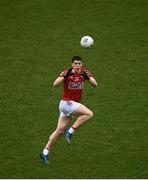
[77, 65]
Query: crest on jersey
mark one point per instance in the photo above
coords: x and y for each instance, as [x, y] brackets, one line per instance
[71, 77]
[76, 78]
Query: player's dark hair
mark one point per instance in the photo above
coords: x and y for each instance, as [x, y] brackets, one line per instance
[78, 58]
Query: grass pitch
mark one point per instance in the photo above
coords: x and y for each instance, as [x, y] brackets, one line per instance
[37, 40]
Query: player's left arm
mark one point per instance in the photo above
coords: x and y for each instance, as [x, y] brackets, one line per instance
[93, 82]
[88, 76]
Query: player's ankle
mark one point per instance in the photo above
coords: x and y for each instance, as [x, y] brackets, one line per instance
[72, 130]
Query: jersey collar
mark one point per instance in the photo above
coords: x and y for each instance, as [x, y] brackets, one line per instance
[77, 73]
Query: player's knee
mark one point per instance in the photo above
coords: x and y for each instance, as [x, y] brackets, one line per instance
[60, 130]
[90, 114]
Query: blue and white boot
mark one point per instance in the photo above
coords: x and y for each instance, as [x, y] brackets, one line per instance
[68, 136]
[44, 158]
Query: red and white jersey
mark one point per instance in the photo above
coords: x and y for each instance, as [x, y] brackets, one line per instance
[73, 85]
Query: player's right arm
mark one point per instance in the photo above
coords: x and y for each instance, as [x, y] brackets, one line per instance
[58, 81]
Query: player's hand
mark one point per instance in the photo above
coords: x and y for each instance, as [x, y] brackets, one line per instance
[86, 74]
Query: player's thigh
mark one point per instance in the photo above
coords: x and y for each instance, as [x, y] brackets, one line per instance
[63, 121]
[83, 110]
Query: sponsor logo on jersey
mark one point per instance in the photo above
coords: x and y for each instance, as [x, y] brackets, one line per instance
[75, 85]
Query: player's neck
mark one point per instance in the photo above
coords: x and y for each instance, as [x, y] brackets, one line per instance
[77, 71]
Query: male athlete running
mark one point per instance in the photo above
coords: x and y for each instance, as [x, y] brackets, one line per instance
[73, 80]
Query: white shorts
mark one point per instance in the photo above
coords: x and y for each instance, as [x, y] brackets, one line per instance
[66, 109]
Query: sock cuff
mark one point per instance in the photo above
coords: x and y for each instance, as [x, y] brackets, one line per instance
[46, 148]
[74, 128]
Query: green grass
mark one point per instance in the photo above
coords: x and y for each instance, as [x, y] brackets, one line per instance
[37, 40]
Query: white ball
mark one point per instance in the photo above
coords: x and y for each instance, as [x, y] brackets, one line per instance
[87, 42]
